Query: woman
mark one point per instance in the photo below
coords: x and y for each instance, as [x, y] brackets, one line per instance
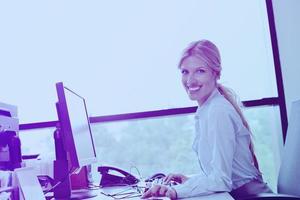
[223, 138]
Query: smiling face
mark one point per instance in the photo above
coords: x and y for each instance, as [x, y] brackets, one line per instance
[198, 79]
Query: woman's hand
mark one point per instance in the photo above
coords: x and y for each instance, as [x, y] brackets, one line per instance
[179, 178]
[160, 191]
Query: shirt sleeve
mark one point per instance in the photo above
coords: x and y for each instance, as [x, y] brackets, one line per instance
[215, 154]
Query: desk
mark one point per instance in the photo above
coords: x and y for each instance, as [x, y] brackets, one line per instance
[216, 196]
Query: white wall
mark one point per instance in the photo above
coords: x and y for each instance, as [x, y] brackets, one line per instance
[287, 18]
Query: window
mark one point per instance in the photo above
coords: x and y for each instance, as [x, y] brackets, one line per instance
[128, 63]
[267, 137]
[123, 58]
[164, 144]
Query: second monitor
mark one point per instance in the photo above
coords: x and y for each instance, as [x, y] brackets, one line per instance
[74, 145]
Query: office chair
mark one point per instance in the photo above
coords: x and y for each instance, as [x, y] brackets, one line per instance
[288, 184]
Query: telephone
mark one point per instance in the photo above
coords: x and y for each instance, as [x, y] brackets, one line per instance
[110, 179]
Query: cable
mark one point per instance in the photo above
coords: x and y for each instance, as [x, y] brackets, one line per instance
[58, 183]
[131, 192]
[127, 195]
[138, 171]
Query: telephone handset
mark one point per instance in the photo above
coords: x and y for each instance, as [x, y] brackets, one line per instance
[110, 179]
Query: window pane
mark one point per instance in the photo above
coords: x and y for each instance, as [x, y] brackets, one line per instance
[163, 144]
[150, 145]
[268, 141]
[39, 141]
[124, 58]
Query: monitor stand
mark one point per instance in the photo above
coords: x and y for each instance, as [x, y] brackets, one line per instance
[62, 174]
[82, 194]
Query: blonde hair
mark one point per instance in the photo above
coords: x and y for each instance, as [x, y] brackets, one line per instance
[209, 53]
[231, 96]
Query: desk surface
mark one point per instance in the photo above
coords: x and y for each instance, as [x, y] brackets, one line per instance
[100, 196]
[216, 196]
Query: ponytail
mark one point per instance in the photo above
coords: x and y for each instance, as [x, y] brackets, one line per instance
[232, 98]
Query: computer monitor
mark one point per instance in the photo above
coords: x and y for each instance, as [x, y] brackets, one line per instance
[74, 144]
[74, 124]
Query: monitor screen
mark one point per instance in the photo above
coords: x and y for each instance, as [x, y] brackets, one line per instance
[75, 128]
